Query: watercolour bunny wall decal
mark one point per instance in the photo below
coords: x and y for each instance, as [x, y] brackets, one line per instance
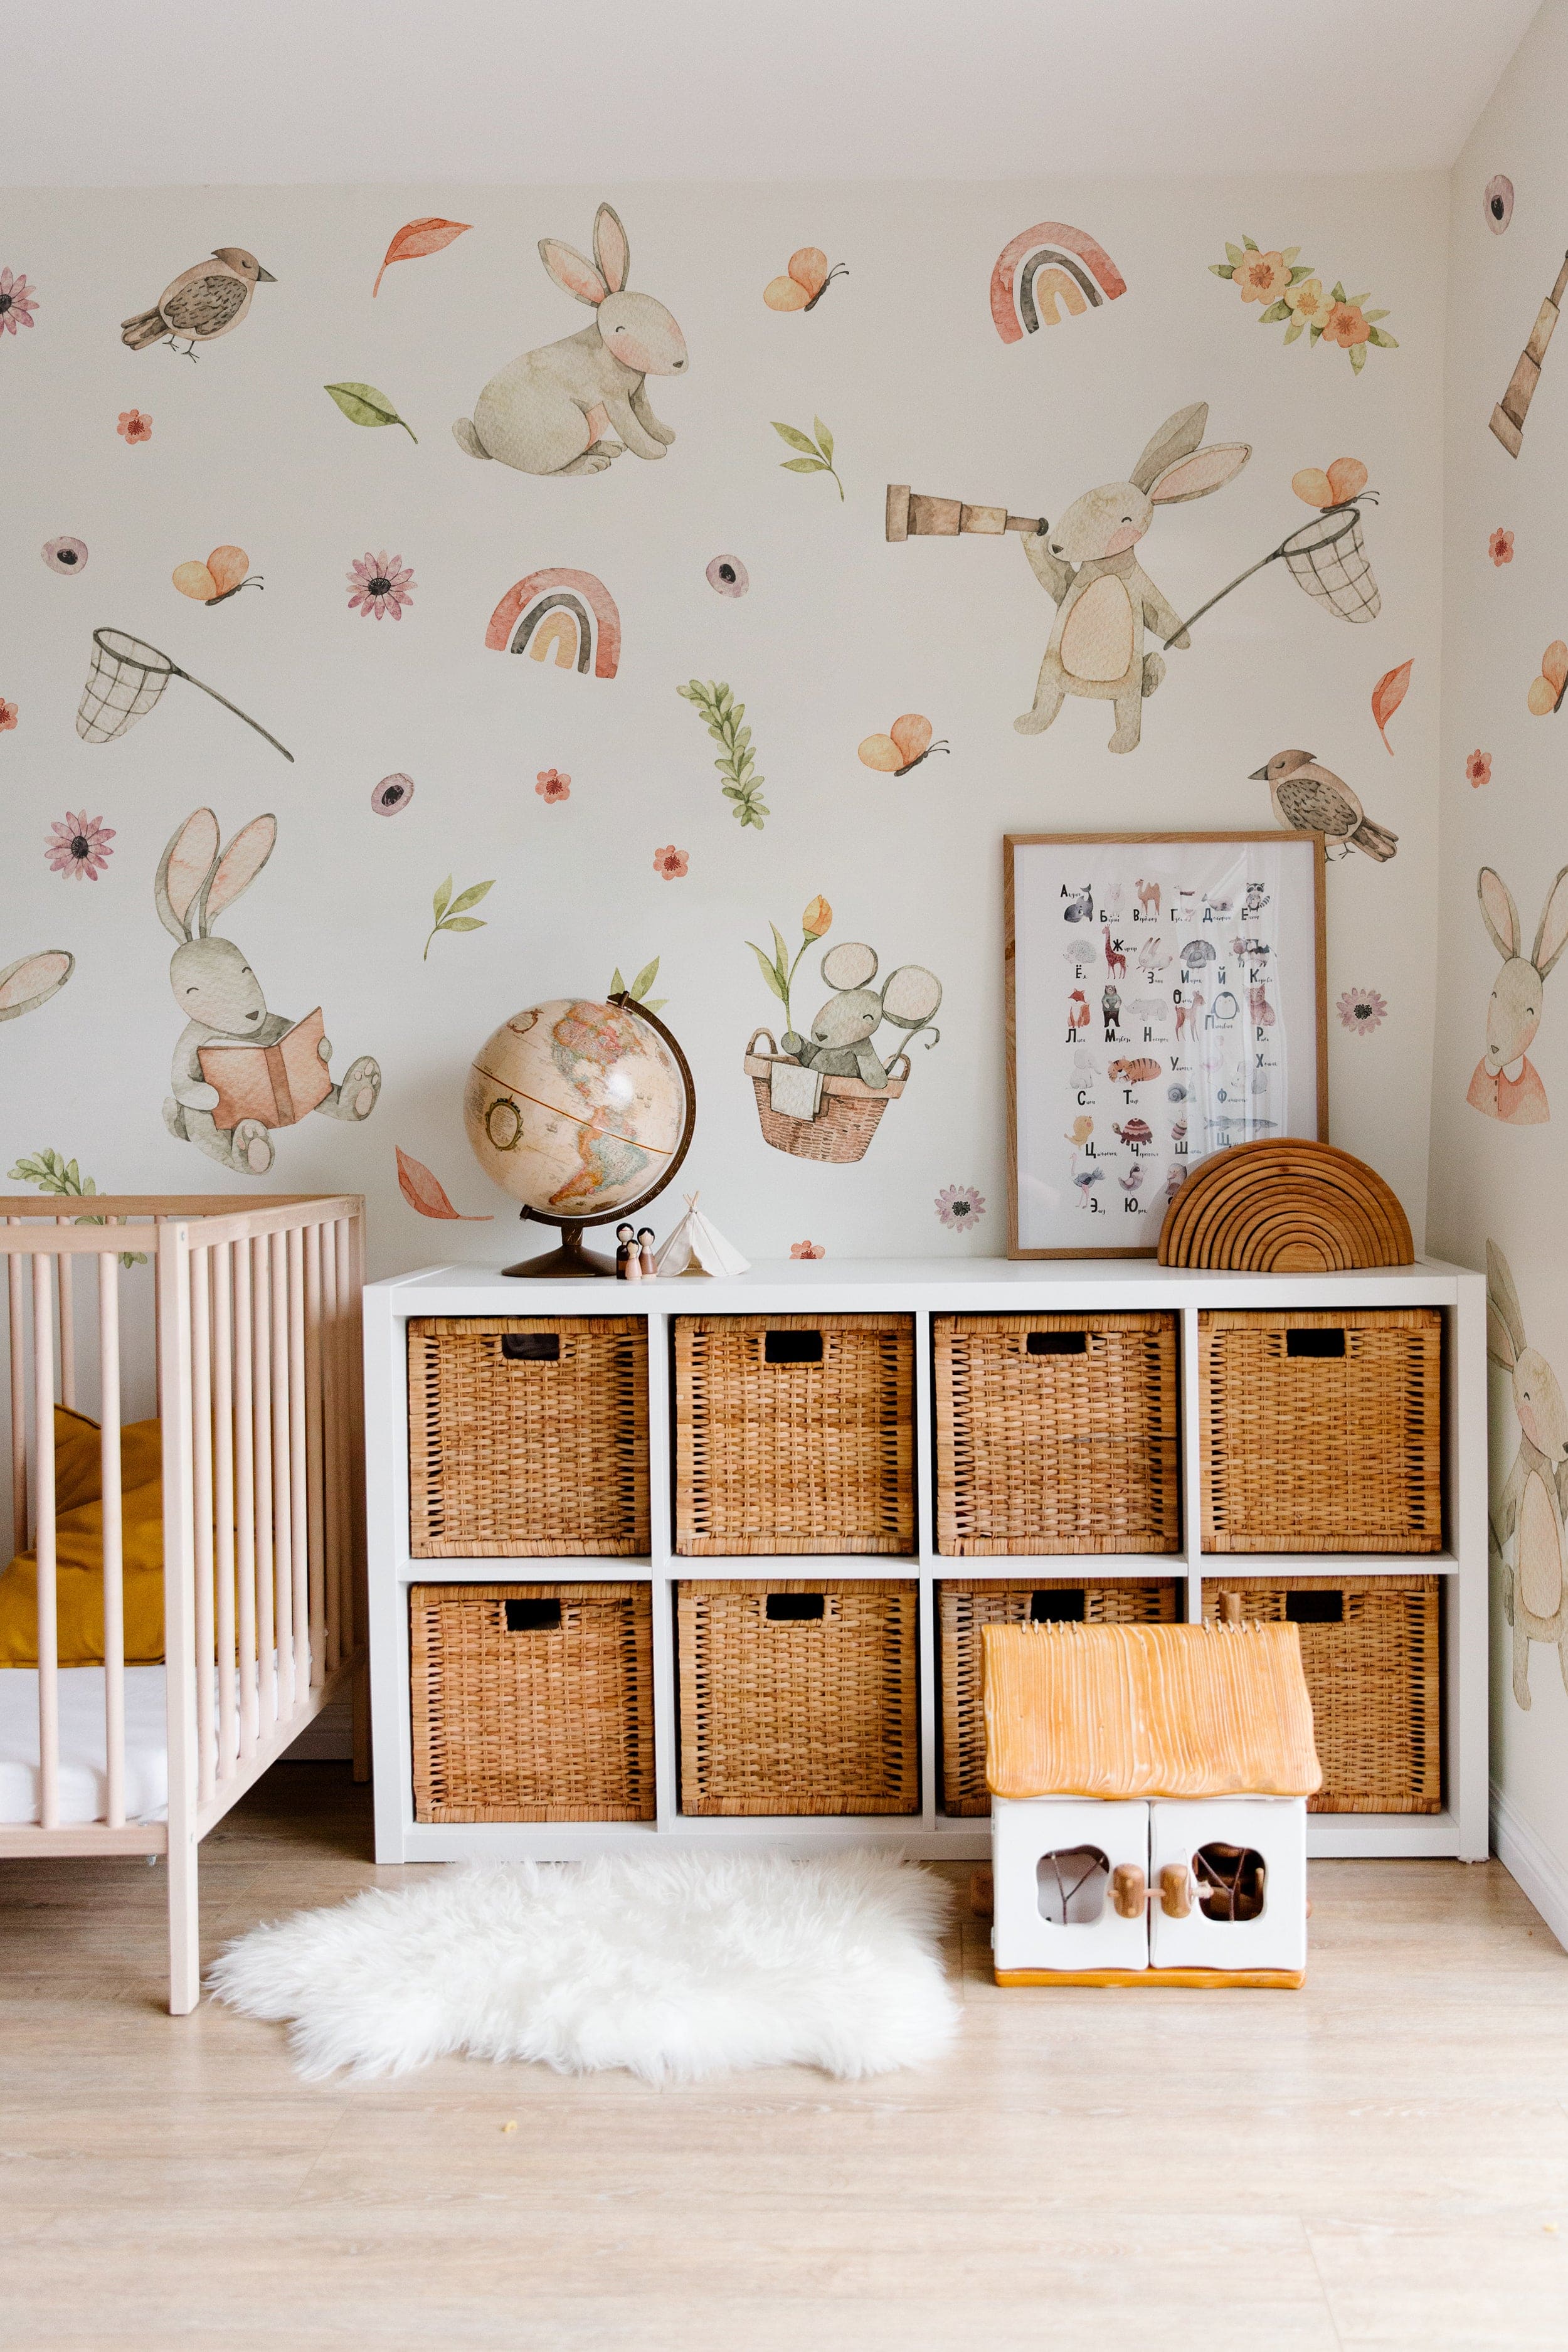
[1513, 1009]
[1529, 1509]
[239, 1071]
[1105, 599]
[556, 409]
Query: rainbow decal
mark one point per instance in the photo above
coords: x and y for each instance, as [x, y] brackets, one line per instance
[1043, 265]
[570, 612]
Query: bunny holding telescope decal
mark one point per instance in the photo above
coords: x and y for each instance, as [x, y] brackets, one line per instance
[1506, 1084]
[239, 1071]
[1105, 599]
[1530, 1510]
[571, 407]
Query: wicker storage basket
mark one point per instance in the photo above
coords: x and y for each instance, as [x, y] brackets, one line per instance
[532, 1702]
[793, 1433]
[846, 1121]
[527, 1436]
[965, 1605]
[799, 1697]
[1372, 1649]
[1322, 1432]
[1056, 1433]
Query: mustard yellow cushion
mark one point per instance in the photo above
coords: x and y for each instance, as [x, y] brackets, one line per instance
[78, 1581]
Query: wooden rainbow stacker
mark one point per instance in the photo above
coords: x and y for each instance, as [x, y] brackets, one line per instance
[1148, 1804]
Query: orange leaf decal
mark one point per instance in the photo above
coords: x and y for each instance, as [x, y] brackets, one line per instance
[1386, 697]
[421, 1191]
[413, 238]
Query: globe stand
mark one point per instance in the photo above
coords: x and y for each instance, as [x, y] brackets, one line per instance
[569, 1262]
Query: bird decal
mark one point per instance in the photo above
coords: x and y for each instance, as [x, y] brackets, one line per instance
[1310, 799]
[204, 301]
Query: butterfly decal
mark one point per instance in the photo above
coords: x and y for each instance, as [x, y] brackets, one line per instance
[906, 743]
[223, 574]
[1547, 691]
[806, 281]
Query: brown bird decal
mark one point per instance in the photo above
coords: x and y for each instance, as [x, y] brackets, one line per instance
[1310, 799]
[203, 302]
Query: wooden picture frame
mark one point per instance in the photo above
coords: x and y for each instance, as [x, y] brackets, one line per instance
[1233, 1018]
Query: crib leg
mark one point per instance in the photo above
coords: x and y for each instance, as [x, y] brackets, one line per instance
[360, 1698]
[184, 1926]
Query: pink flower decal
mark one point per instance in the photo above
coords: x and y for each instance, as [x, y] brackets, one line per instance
[670, 864]
[1362, 1009]
[960, 1204]
[17, 302]
[380, 584]
[552, 785]
[807, 1249]
[79, 846]
[134, 426]
[1500, 547]
[8, 714]
[1478, 767]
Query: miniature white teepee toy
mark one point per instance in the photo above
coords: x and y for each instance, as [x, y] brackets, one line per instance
[695, 1246]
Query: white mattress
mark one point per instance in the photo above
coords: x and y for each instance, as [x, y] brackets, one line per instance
[84, 1784]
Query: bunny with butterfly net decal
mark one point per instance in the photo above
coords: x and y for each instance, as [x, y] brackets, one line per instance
[239, 1071]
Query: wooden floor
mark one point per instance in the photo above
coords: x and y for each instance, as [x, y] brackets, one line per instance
[1381, 2160]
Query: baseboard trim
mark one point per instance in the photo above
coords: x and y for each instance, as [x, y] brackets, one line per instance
[1539, 1873]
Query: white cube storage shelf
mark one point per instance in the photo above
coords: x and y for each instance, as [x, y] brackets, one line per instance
[919, 1287]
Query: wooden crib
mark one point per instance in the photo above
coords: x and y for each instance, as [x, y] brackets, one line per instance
[255, 1326]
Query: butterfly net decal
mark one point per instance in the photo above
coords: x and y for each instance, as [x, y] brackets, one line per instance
[125, 682]
[1328, 558]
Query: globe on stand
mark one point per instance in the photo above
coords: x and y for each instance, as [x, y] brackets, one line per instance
[583, 1111]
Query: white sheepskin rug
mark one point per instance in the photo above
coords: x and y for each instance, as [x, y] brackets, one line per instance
[672, 1965]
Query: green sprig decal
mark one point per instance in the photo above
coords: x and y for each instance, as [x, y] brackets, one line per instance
[639, 991]
[724, 714]
[363, 405]
[817, 456]
[53, 1173]
[451, 913]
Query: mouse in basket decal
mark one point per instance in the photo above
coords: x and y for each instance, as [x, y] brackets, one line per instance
[821, 1092]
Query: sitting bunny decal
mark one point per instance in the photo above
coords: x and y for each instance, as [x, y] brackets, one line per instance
[1529, 1509]
[553, 410]
[1105, 598]
[239, 1070]
[1513, 1011]
[839, 1043]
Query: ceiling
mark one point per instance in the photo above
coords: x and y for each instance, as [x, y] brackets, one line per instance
[158, 92]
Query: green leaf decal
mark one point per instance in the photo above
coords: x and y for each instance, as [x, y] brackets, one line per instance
[363, 405]
[464, 922]
[824, 439]
[806, 466]
[443, 895]
[796, 439]
[469, 897]
[645, 979]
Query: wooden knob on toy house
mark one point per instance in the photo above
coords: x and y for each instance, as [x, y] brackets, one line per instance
[983, 1891]
[1176, 1890]
[1129, 1891]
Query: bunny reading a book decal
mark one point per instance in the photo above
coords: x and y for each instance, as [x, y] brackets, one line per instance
[1529, 1512]
[239, 1071]
[559, 409]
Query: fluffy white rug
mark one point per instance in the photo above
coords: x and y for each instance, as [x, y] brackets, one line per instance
[674, 1965]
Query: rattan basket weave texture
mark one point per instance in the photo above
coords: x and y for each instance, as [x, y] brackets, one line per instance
[1375, 1677]
[787, 1712]
[537, 1711]
[528, 1436]
[1056, 1433]
[781, 1457]
[966, 1605]
[1323, 1452]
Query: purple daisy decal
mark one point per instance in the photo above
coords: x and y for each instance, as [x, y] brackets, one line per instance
[380, 584]
[79, 847]
[958, 1205]
[17, 301]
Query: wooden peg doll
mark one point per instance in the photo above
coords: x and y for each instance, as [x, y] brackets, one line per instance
[644, 1246]
[628, 1266]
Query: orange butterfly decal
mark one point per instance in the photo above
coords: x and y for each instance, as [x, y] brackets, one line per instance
[806, 282]
[1546, 694]
[906, 743]
[223, 574]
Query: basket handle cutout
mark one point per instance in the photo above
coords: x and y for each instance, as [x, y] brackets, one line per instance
[796, 1608]
[1064, 1606]
[531, 1348]
[1315, 1343]
[1314, 1609]
[792, 1346]
[533, 1616]
[1058, 1343]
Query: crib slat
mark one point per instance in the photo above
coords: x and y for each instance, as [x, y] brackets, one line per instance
[337, 1241]
[312, 1339]
[245, 1498]
[16, 1301]
[44, 1492]
[113, 1538]
[221, 1260]
[268, 1661]
[65, 1285]
[306, 1667]
[201, 1466]
[355, 1229]
[282, 1478]
[326, 1398]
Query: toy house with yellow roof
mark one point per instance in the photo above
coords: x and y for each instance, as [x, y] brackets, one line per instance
[1148, 1804]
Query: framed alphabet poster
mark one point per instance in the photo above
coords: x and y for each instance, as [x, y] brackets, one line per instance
[1165, 1000]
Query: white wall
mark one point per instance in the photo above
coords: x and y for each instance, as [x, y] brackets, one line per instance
[1491, 1181]
[839, 634]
